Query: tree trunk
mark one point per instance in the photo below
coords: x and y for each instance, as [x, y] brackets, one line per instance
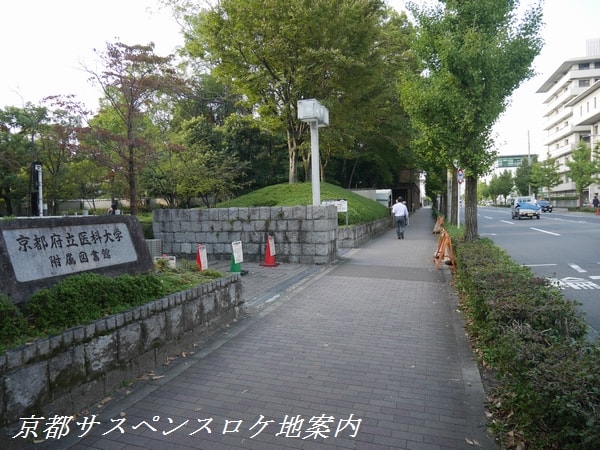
[132, 181]
[471, 232]
[292, 155]
[453, 200]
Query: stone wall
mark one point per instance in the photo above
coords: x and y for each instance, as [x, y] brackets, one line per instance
[63, 374]
[302, 234]
[351, 237]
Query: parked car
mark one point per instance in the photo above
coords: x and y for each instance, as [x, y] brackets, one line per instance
[545, 205]
[525, 209]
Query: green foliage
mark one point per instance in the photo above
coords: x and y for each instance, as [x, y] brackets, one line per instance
[546, 394]
[123, 135]
[360, 209]
[12, 323]
[501, 185]
[145, 220]
[83, 298]
[545, 174]
[523, 179]
[18, 129]
[583, 168]
[475, 53]
[277, 52]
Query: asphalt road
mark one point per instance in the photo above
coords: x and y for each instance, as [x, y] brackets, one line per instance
[561, 246]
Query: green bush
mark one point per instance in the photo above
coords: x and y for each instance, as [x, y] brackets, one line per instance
[12, 323]
[547, 391]
[83, 298]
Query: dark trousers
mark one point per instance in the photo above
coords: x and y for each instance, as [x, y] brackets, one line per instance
[400, 225]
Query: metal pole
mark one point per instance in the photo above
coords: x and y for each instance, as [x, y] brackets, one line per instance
[38, 169]
[458, 208]
[315, 163]
[529, 161]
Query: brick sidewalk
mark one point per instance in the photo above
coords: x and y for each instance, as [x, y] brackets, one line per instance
[367, 353]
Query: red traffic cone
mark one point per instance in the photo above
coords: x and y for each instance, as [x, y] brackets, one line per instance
[270, 253]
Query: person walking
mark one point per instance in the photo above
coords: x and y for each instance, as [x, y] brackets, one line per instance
[400, 212]
[596, 204]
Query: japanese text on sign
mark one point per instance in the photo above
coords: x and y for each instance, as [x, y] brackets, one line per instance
[342, 205]
[38, 253]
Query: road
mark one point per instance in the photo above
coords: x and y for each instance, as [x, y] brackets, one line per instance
[561, 246]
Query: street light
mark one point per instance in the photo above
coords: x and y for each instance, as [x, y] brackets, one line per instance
[315, 114]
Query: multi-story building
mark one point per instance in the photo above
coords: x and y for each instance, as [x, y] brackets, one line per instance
[572, 112]
[510, 163]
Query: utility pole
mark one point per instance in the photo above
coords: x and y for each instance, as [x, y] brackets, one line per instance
[529, 161]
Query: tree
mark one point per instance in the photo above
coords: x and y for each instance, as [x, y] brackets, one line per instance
[475, 53]
[260, 149]
[545, 174]
[15, 157]
[133, 80]
[276, 52]
[583, 168]
[57, 148]
[523, 177]
[196, 165]
[483, 191]
[501, 185]
[21, 130]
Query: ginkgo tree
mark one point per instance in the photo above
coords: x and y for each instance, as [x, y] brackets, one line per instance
[584, 167]
[474, 54]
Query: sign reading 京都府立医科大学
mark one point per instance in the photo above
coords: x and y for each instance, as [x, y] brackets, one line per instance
[37, 252]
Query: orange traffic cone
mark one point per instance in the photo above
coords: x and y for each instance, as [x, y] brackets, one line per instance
[270, 253]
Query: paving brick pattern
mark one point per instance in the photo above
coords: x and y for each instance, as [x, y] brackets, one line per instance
[367, 353]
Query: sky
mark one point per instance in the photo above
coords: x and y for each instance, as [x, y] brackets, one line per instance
[45, 44]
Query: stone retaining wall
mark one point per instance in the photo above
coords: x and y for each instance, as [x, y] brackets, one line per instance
[356, 236]
[64, 374]
[302, 234]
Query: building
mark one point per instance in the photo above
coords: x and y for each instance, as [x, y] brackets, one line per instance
[572, 112]
[510, 163]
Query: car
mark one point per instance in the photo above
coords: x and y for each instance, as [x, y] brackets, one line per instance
[525, 209]
[545, 205]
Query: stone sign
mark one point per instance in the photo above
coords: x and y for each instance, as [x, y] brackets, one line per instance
[37, 252]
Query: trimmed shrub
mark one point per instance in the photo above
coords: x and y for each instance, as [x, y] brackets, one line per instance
[12, 323]
[83, 298]
[547, 391]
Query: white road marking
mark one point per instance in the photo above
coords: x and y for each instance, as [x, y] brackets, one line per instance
[539, 265]
[506, 221]
[544, 231]
[577, 268]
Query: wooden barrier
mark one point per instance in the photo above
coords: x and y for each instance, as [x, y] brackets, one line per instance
[438, 224]
[444, 251]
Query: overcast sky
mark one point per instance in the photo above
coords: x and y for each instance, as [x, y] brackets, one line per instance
[44, 43]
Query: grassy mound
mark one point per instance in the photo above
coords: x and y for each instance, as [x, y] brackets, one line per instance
[360, 209]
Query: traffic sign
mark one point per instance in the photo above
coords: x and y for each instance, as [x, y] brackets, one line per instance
[460, 176]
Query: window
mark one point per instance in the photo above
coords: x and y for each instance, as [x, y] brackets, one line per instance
[584, 66]
[584, 83]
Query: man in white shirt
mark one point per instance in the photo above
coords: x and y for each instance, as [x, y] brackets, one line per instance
[400, 212]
